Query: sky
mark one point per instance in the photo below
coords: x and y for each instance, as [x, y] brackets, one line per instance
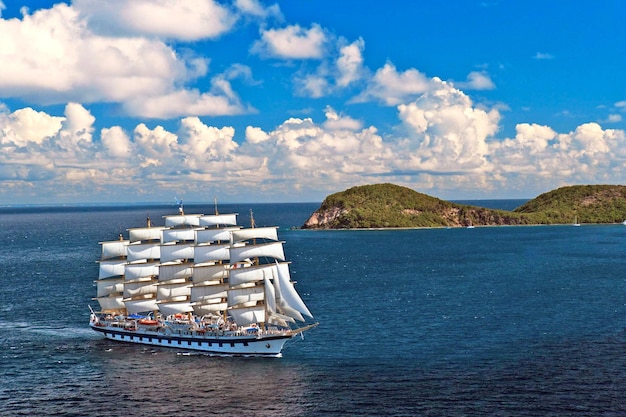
[130, 101]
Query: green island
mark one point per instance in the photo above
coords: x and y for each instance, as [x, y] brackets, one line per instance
[393, 206]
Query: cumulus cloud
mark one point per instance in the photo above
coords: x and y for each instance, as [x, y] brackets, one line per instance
[338, 149]
[446, 133]
[340, 63]
[291, 42]
[116, 142]
[26, 126]
[53, 55]
[445, 142]
[314, 85]
[255, 135]
[256, 9]
[336, 122]
[191, 102]
[118, 52]
[539, 156]
[391, 87]
[350, 63]
[476, 80]
[186, 20]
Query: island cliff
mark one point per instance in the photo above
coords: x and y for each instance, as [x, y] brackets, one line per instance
[393, 206]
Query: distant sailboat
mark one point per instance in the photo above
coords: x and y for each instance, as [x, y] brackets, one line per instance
[576, 221]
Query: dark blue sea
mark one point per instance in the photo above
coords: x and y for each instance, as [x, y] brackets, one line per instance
[493, 321]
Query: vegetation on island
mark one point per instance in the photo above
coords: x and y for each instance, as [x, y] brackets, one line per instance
[394, 206]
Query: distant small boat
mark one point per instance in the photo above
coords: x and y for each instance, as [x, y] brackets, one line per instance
[576, 222]
[624, 222]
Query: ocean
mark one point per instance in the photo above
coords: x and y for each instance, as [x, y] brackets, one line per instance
[490, 321]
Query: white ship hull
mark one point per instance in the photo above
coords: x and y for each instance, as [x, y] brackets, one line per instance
[232, 345]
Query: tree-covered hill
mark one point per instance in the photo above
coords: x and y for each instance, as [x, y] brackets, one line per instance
[389, 206]
[587, 203]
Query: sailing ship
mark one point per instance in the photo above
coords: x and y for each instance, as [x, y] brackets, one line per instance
[200, 283]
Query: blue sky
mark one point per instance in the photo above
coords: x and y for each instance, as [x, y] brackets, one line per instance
[246, 100]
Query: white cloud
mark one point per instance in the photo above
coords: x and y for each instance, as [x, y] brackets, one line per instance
[201, 143]
[154, 144]
[337, 122]
[446, 133]
[342, 67]
[476, 80]
[350, 63]
[256, 135]
[220, 101]
[186, 20]
[392, 87]
[539, 157]
[255, 8]
[26, 126]
[313, 85]
[446, 143]
[52, 56]
[292, 42]
[543, 55]
[116, 142]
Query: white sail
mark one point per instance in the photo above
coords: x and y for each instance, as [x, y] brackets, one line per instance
[110, 286]
[114, 303]
[138, 234]
[169, 291]
[174, 307]
[255, 273]
[141, 269]
[283, 307]
[248, 315]
[211, 253]
[288, 293]
[175, 271]
[111, 268]
[114, 249]
[270, 250]
[177, 252]
[202, 308]
[178, 235]
[140, 305]
[143, 251]
[291, 312]
[209, 273]
[183, 220]
[270, 296]
[139, 288]
[209, 292]
[280, 319]
[214, 235]
[218, 219]
[245, 296]
[255, 233]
